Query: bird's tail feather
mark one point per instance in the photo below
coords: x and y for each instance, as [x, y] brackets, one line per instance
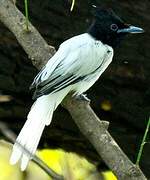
[40, 115]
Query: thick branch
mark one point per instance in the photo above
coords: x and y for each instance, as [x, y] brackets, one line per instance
[34, 45]
[96, 131]
[89, 124]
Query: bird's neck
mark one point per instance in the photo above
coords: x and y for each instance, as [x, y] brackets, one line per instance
[99, 34]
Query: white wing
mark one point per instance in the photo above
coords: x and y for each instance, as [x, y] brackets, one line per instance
[76, 58]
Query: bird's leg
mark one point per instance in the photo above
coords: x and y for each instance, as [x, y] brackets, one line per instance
[83, 97]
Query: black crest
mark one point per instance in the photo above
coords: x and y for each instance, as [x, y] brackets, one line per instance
[105, 26]
[103, 12]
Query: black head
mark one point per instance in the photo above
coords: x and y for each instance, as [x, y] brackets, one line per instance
[109, 28]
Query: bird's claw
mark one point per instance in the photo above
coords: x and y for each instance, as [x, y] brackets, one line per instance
[83, 97]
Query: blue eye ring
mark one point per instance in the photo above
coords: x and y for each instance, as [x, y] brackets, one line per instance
[114, 27]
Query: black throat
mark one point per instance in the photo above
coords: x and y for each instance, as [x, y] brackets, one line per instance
[105, 37]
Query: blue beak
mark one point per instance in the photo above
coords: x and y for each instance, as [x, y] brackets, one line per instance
[131, 29]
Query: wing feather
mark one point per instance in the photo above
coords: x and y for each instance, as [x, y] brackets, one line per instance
[76, 58]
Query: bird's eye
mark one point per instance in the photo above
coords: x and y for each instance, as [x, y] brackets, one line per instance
[114, 27]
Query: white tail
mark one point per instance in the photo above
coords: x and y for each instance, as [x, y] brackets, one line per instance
[40, 115]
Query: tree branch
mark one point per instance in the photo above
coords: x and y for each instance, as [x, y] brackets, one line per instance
[95, 130]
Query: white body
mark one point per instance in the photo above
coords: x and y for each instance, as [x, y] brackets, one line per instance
[76, 66]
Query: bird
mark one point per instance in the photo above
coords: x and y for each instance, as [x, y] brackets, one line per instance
[75, 67]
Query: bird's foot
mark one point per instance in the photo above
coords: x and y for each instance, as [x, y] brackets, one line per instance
[83, 97]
